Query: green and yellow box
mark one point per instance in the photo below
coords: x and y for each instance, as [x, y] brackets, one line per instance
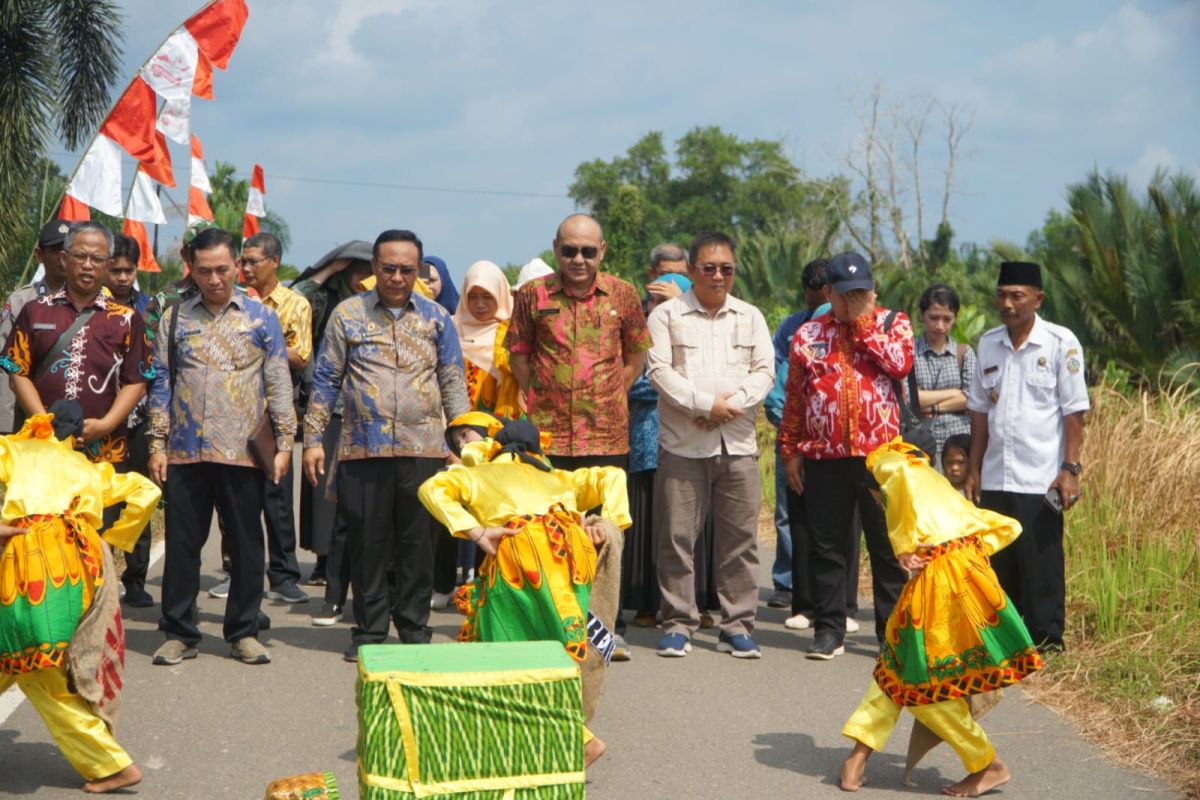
[469, 721]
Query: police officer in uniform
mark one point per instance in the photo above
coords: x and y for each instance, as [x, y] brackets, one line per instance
[1027, 401]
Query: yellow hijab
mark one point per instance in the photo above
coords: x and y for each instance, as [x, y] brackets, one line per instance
[479, 338]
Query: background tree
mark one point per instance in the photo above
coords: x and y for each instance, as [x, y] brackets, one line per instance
[228, 203]
[58, 62]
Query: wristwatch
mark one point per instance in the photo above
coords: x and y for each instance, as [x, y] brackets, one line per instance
[1073, 467]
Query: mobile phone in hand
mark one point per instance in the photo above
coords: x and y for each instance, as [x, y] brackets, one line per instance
[1054, 499]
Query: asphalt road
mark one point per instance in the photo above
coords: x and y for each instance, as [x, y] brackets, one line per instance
[706, 726]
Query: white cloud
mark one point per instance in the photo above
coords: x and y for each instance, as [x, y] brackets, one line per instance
[1153, 157]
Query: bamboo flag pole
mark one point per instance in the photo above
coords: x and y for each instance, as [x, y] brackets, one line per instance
[91, 141]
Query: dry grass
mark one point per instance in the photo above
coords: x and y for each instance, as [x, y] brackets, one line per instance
[1133, 588]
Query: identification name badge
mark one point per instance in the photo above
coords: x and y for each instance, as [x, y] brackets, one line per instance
[547, 312]
[44, 326]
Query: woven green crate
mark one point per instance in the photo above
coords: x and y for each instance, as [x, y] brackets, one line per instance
[469, 721]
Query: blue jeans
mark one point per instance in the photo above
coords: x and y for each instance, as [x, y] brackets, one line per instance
[781, 569]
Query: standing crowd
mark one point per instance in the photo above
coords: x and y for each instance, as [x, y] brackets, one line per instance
[374, 353]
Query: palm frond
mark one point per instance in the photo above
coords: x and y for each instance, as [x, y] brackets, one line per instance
[88, 39]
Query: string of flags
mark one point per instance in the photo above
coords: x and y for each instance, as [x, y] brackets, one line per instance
[156, 106]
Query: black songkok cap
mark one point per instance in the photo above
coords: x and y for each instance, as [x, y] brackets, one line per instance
[1020, 273]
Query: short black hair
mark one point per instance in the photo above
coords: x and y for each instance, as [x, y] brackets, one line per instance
[126, 247]
[398, 235]
[212, 238]
[959, 441]
[813, 275]
[269, 243]
[707, 239]
[939, 294]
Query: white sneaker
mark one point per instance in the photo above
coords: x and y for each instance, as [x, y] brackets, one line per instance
[797, 623]
[221, 590]
[851, 625]
[440, 600]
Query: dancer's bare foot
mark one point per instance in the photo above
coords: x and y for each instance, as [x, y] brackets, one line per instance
[852, 770]
[592, 751]
[995, 775]
[126, 777]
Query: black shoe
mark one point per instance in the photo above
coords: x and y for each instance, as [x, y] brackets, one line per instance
[316, 578]
[287, 592]
[351, 654]
[781, 598]
[264, 622]
[824, 647]
[137, 597]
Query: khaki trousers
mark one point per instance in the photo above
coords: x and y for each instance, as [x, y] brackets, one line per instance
[684, 488]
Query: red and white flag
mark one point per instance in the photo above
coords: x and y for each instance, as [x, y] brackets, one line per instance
[217, 28]
[198, 207]
[171, 72]
[144, 205]
[131, 124]
[97, 181]
[255, 207]
[137, 231]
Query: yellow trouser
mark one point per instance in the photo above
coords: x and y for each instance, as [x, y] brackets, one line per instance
[873, 720]
[81, 736]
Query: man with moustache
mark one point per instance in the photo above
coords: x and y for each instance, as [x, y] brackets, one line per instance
[224, 365]
[1027, 400]
[395, 358]
[712, 364]
[79, 344]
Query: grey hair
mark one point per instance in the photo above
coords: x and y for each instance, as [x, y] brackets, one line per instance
[88, 226]
[269, 243]
[667, 252]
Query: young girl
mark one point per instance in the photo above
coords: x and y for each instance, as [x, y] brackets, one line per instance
[954, 460]
[953, 632]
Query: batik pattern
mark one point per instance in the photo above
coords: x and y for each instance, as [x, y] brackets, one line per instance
[576, 349]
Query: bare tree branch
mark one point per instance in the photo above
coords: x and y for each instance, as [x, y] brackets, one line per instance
[914, 125]
[959, 120]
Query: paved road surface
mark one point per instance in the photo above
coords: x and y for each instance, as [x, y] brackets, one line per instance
[707, 726]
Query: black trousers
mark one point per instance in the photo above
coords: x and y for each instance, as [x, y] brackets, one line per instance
[802, 601]
[387, 529]
[192, 492]
[337, 566]
[1031, 569]
[833, 489]
[278, 510]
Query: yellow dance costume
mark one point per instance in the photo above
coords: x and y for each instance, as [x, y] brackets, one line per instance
[49, 578]
[953, 632]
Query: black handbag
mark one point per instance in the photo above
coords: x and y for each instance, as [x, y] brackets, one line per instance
[915, 429]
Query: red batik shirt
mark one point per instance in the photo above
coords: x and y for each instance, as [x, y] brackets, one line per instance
[839, 399]
[576, 349]
[107, 354]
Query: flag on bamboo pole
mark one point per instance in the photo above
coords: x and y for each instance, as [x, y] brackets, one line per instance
[217, 28]
[255, 207]
[200, 187]
[74, 210]
[137, 231]
[172, 72]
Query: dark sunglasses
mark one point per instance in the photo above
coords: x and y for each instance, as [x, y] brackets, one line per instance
[712, 269]
[392, 269]
[570, 251]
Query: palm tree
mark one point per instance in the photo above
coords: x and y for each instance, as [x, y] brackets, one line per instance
[58, 62]
[1128, 280]
[770, 262]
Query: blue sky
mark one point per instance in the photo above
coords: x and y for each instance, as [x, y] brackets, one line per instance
[510, 97]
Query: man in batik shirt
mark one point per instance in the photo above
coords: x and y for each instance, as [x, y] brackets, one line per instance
[577, 341]
[79, 344]
[840, 406]
[230, 368]
[396, 359]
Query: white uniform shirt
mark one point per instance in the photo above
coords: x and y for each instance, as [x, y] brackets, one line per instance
[1026, 393]
[697, 356]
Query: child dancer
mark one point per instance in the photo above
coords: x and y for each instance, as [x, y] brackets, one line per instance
[953, 632]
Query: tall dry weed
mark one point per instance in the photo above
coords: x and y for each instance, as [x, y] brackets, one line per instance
[1131, 678]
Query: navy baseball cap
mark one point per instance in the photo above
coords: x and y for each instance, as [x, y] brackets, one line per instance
[849, 271]
[53, 233]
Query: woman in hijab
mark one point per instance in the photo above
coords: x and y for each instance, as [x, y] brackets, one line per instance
[441, 285]
[482, 320]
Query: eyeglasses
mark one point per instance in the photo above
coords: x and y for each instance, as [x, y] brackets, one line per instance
[392, 269]
[251, 262]
[569, 251]
[712, 269]
[84, 258]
